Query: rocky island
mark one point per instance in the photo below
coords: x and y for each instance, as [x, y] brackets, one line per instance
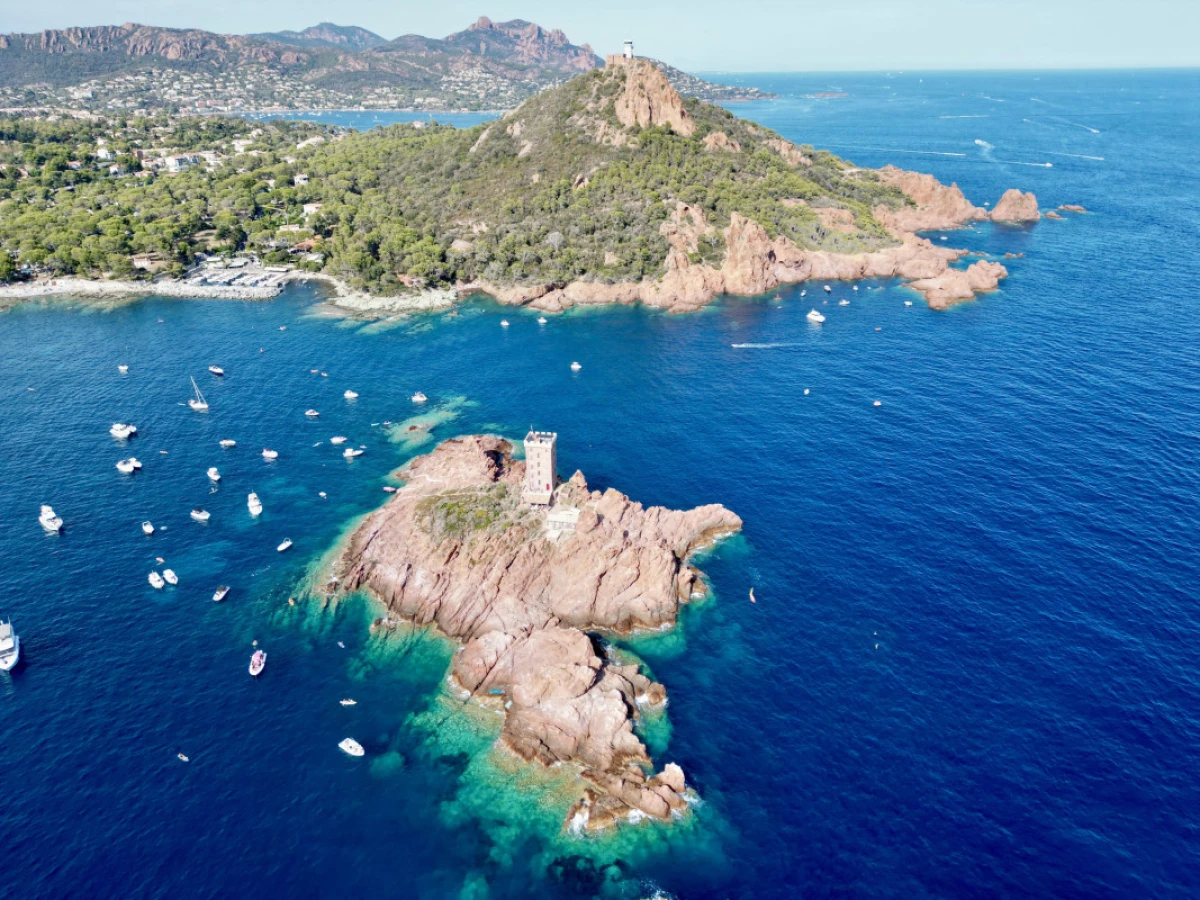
[611, 188]
[528, 591]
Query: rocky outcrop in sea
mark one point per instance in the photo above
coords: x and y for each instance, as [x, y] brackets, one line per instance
[528, 591]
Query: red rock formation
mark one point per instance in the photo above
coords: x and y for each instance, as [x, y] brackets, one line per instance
[719, 140]
[792, 155]
[1015, 206]
[456, 548]
[935, 206]
[648, 99]
[954, 285]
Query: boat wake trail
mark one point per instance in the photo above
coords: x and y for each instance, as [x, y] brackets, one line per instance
[976, 116]
[762, 346]
[1013, 162]
[1076, 156]
[894, 150]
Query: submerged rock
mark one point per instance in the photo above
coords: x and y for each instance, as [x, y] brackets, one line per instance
[456, 547]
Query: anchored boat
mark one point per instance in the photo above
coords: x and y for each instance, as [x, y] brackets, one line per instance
[49, 520]
[10, 646]
[198, 403]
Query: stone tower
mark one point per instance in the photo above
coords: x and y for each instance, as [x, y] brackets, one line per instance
[541, 466]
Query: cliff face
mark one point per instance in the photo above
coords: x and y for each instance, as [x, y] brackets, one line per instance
[648, 98]
[456, 547]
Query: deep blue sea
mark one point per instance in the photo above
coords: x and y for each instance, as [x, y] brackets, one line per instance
[972, 669]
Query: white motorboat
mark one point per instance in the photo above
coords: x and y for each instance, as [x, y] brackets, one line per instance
[815, 317]
[338, 439]
[828, 289]
[182, 757]
[541, 320]
[126, 466]
[504, 323]
[286, 545]
[220, 593]
[804, 293]
[216, 370]
[258, 662]
[351, 452]
[123, 369]
[198, 403]
[843, 303]
[10, 646]
[283, 328]
[311, 413]
[213, 475]
[200, 515]
[254, 503]
[418, 397]
[322, 494]
[147, 528]
[879, 403]
[49, 520]
[855, 288]
[270, 454]
[575, 367]
[156, 581]
[350, 395]
[324, 374]
[170, 577]
[352, 747]
[122, 431]
[349, 702]
[908, 303]
[227, 443]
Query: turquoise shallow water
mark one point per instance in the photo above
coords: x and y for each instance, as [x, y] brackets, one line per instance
[970, 667]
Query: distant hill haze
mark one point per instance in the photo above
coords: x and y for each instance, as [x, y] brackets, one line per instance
[344, 37]
[490, 65]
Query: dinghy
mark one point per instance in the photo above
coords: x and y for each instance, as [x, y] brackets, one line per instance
[258, 662]
[352, 747]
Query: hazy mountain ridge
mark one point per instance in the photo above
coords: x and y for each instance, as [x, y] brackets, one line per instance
[326, 35]
[487, 66]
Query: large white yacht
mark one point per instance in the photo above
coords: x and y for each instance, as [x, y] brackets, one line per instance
[254, 503]
[10, 646]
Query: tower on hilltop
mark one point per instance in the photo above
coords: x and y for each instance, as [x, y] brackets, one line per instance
[629, 49]
[541, 466]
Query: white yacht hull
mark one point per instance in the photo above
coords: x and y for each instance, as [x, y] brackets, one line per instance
[9, 660]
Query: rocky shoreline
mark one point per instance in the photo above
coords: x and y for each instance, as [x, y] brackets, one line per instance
[116, 290]
[526, 591]
[754, 264]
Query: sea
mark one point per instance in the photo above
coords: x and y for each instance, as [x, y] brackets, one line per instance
[972, 666]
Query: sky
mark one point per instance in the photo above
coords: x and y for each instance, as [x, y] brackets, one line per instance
[728, 35]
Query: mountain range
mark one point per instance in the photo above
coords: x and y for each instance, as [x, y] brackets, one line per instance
[489, 65]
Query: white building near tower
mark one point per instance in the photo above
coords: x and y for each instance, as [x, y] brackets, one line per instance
[541, 466]
[629, 49]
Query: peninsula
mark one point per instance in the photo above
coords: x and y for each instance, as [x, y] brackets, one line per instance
[612, 188]
[528, 590]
